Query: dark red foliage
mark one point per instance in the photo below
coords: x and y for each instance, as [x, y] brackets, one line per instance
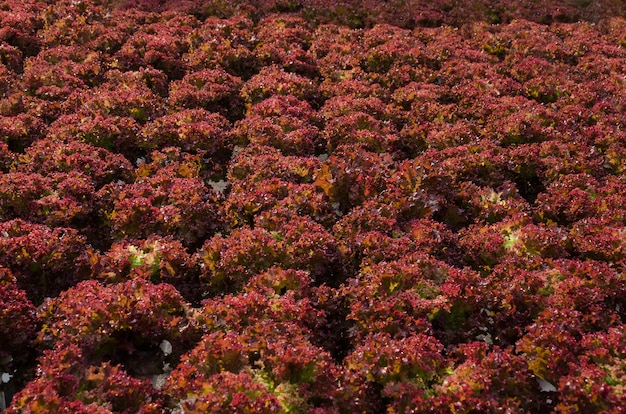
[266, 367]
[280, 295]
[490, 380]
[537, 165]
[400, 371]
[352, 175]
[57, 72]
[331, 48]
[145, 77]
[360, 129]
[406, 291]
[600, 239]
[594, 383]
[119, 97]
[401, 206]
[167, 201]
[392, 57]
[486, 245]
[580, 196]
[141, 326]
[244, 202]
[307, 200]
[420, 188]
[247, 199]
[491, 307]
[55, 183]
[171, 161]
[516, 120]
[68, 24]
[489, 205]
[6, 157]
[68, 382]
[11, 58]
[307, 245]
[409, 14]
[18, 325]
[568, 199]
[73, 157]
[353, 85]
[443, 135]
[480, 163]
[363, 228]
[20, 131]
[433, 238]
[591, 287]
[114, 133]
[256, 163]
[278, 281]
[44, 260]
[385, 240]
[590, 388]
[274, 80]
[192, 130]
[66, 200]
[19, 193]
[416, 94]
[6, 77]
[284, 40]
[227, 392]
[159, 44]
[223, 42]
[158, 259]
[162, 205]
[283, 122]
[338, 106]
[212, 89]
[261, 178]
[291, 242]
[20, 22]
[552, 345]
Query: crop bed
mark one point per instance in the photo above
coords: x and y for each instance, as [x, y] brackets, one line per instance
[312, 207]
